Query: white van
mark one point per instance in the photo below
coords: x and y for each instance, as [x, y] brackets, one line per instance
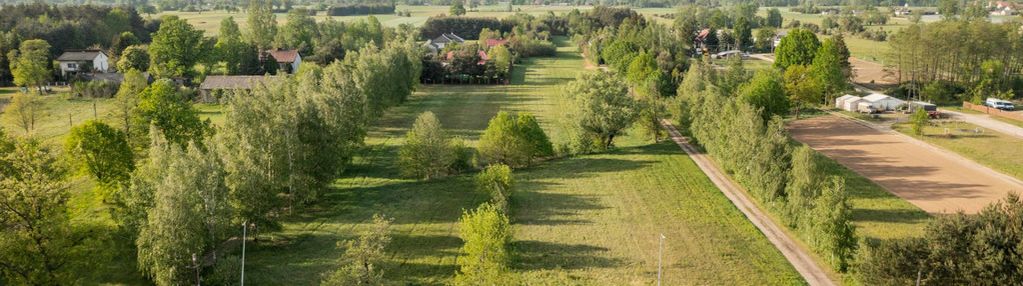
[999, 104]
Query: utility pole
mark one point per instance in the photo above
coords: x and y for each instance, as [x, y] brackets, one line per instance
[245, 226]
[660, 257]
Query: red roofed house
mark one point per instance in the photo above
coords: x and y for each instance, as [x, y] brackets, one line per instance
[495, 42]
[287, 60]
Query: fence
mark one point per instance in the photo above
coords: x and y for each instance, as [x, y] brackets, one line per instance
[993, 111]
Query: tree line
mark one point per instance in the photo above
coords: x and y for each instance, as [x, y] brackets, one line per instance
[955, 60]
[157, 152]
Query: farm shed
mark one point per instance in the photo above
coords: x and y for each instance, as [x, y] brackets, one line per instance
[913, 105]
[840, 100]
[883, 101]
[852, 103]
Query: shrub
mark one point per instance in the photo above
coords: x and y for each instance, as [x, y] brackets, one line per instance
[360, 264]
[514, 140]
[496, 180]
[918, 120]
[486, 232]
[428, 152]
[95, 88]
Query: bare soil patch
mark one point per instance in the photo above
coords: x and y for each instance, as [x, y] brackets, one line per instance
[930, 178]
[872, 75]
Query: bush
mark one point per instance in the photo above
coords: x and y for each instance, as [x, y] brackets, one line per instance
[918, 120]
[428, 152]
[514, 140]
[486, 232]
[533, 47]
[360, 264]
[496, 180]
[95, 88]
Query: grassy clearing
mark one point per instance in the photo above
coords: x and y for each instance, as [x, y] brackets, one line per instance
[993, 149]
[596, 217]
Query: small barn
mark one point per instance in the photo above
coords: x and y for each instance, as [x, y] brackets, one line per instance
[852, 103]
[884, 102]
[841, 100]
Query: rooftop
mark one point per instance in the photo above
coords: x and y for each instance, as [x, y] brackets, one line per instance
[79, 55]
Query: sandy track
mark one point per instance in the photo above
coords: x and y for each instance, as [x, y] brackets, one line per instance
[932, 179]
[796, 255]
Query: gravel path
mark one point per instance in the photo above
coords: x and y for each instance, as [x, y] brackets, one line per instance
[796, 255]
[987, 122]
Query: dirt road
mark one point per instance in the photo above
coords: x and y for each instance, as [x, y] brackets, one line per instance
[984, 120]
[796, 255]
[933, 179]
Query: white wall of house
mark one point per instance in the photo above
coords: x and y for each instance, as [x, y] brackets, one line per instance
[101, 63]
[294, 65]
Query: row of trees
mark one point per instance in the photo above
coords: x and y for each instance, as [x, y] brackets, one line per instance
[746, 135]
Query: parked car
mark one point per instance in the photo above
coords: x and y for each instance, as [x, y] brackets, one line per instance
[999, 104]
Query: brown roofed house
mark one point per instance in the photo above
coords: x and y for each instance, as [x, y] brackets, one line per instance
[287, 60]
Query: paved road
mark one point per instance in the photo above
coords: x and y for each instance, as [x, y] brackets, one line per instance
[797, 256]
[934, 179]
[984, 120]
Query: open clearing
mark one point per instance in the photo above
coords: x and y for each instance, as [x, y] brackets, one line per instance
[595, 217]
[932, 179]
[993, 149]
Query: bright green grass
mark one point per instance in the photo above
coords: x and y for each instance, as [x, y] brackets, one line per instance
[59, 112]
[596, 217]
[993, 149]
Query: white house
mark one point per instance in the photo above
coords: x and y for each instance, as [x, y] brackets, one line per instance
[287, 60]
[438, 43]
[852, 103]
[839, 102]
[883, 102]
[83, 61]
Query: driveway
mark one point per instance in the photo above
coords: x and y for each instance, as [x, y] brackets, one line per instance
[933, 179]
[984, 120]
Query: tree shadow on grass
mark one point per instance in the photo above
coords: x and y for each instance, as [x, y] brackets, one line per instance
[902, 216]
[541, 255]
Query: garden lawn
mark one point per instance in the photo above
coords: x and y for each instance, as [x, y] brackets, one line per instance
[593, 217]
[993, 149]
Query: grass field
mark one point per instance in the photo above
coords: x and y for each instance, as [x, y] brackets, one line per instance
[595, 217]
[209, 21]
[993, 149]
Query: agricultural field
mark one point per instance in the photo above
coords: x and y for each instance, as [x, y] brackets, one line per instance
[209, 21]
[990, 148]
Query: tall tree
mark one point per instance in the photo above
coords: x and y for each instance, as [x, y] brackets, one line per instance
[797, 48]
[101, 152]
[238, 56]
[189, 216]
[23, 111]
[262, 24]
[774, 18]
[743, 33]
[170, 110]
[486, 232]
[133, 58]
[175, 49]
[801, 87]
[360, 264]
[126, 101]
[766, 91]
[427, 152]
[37, 241]
[457, 8]
[605, 108]
[827, 70]
[298, 32]
[514, 140]
[30, 65]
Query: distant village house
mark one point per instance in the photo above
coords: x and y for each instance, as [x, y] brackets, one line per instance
[288, 61]
[74, 62]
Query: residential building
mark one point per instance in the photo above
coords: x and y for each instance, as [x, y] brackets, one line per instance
[74, 62]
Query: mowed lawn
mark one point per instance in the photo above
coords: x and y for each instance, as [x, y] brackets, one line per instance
[596, 217]
[990, 148]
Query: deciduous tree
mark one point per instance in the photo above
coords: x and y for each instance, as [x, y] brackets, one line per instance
[133, 58]
[514, 140]
[765, 91]
[175, 49]
[486, 232]
[428, 151]
[797, 48]
[102, 152]
[360, 264]
[168, 108]
[262, 24]
[30, 64]
[605, 108]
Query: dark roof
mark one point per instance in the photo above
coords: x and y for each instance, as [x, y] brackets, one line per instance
[232, 81]
[284, 56]
[448, 38]
[79, 55]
